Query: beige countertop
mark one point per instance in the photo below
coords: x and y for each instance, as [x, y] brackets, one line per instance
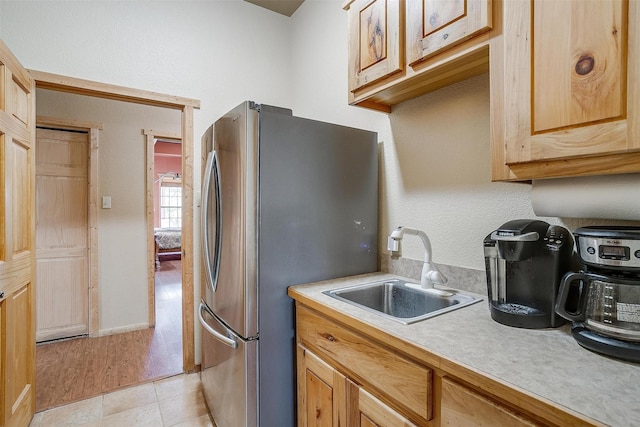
[547, 363]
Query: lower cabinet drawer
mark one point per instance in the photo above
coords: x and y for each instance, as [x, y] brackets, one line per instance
[396, 379]
[463, 407]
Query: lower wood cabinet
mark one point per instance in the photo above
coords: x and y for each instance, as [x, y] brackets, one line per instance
[462, 407]
[388, 376]
[354, 376]
[327, 398]
[321, 392]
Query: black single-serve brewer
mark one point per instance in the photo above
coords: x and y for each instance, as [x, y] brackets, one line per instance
[525, 261]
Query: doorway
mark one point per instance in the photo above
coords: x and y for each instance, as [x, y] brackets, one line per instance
[164, 235]
[66, 239]
[186, 107]
[164, 211]
[62, 233]
[117, 365]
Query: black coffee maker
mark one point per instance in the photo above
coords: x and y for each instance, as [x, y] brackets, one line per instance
[525, 261]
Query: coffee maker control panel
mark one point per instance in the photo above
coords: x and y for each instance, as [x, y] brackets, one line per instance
[609, 247]
[557, 237]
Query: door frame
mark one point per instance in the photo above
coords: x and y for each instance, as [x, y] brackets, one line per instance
[92, 130]
[150, 138]
[44, 80]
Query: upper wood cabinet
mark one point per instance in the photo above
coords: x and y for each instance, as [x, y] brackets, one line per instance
[436, 25]
[400, 49]
[567, 103]
[375, 41]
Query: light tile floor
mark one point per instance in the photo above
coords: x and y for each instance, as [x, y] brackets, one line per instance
[175, 401]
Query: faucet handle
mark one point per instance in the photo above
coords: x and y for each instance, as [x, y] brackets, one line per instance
[393, 245]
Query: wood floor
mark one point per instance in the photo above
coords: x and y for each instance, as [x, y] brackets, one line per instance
[72, 370]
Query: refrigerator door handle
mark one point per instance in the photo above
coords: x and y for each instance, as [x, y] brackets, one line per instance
[212, 266]
[228, 339]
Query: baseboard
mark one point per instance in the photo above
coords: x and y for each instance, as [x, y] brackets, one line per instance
[121, 329]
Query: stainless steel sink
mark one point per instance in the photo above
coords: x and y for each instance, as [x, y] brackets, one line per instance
[401, 301]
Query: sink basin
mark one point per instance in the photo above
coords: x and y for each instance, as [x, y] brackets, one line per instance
[401, 301]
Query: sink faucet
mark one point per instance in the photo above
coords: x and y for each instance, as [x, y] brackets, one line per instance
[430, 273]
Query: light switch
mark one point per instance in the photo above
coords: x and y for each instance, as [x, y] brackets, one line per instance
[106, 202]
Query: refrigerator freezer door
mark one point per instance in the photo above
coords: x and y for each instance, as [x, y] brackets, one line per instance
[228, 373]
[232, 194]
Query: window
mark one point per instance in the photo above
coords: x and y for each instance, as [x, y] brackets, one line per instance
[170, 206]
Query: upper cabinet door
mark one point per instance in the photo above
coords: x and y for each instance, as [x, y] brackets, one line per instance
[375, 41]
[435, 25]
[571, 104]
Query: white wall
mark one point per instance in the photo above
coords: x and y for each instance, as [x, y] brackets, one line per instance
[220, 52]
[435, 149]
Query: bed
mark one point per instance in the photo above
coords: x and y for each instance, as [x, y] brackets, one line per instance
[168, 243]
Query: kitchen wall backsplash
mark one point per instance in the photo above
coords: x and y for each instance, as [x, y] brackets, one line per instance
[465, 279]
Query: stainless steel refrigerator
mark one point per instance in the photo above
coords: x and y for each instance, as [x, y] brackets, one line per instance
[285, 200]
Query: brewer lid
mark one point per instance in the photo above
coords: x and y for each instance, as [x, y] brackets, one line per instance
[518, 227]
[609, 232]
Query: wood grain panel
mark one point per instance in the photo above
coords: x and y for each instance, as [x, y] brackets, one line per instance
[373, 33]
[62, 297]
[567, 106]
[582, 79]
[438, 13]
[376, 41]
[62, 212]
[19, 95]
[461, 407]
[319, 407]
[321, 391]
[17, 212]
[20, 351]
[435, 25]
[19, 157]
[368, 411]
[405, 383]
[62, 237]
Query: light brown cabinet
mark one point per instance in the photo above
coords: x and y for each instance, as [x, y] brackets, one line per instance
[380, 384]
[566, 101]
[327, 398]
[375, 41]
[352, 374]
[463, 407]
[434, 26]
[321, 392]
[17, 240]
[400, 49]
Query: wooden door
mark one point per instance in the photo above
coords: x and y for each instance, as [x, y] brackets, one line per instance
[321, 392]
[462, 407]
[365, 410]
[376, 41]
[17, 240]
[574, 100]
[436, 25]
[62, 233]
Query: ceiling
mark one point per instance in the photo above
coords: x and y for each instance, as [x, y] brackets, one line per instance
[284, 7]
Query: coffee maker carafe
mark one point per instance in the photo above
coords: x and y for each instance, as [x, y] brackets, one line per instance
[603, 298]
[525, 260]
